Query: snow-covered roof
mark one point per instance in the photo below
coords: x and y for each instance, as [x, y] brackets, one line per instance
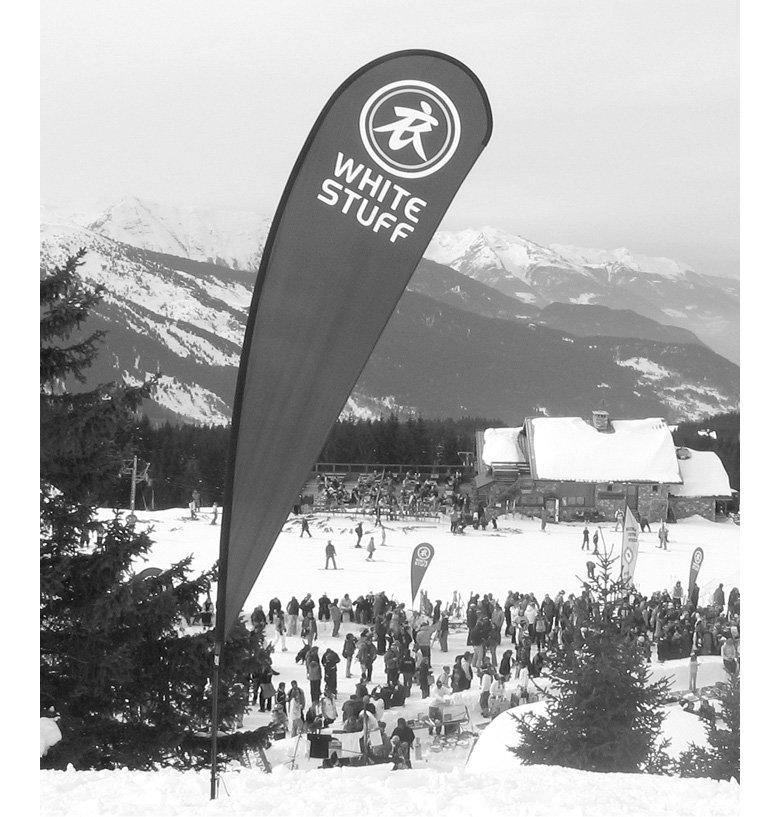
[568, 448]
[703, 474]
[501, 445]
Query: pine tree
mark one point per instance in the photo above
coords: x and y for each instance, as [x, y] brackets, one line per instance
[602, 713]
[129, 686]
[84, 435]
[720, 759]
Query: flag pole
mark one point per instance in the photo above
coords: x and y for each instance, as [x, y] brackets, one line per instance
[215, 720]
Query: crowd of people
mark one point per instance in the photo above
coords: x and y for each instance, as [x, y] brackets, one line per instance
[389, 653]
[394, 494]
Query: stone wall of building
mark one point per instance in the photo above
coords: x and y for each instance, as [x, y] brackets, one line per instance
[653, 504]
[685, 506]
[603, 497]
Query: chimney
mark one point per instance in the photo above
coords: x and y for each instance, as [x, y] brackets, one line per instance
[601, 420]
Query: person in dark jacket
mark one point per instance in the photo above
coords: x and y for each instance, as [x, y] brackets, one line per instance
[359, 534]
[307, 605]
[274, 608]
[380, 630]
[293, 608]
[733, 607]
[719, 597]
[323, 603]
[329, 661]
[348, 651]
[330, 555]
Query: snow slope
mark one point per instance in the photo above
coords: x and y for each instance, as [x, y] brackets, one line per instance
[518, 556]
[541, 791]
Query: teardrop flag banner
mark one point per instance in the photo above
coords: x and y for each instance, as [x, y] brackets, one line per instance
[697, 557]
[630, 549]
[421, 558]
[367, 192]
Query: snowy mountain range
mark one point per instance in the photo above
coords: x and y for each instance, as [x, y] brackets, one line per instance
[491, 323]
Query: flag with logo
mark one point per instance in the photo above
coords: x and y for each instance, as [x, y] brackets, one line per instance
[367, 192]
[421, 558]
[697, 557]
[630, 549]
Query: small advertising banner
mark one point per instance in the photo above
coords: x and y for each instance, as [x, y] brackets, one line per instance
[630, 549]
[696, 561]
[421, 558]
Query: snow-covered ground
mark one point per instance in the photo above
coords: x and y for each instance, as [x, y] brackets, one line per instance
[517, 556]
[476, 778]
[538, 791]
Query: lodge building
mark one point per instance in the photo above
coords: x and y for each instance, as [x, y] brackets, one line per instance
[573, 470]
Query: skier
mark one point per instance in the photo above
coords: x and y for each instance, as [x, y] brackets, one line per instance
[663, 536]
[330, 555]
[618, 519]
[196, 500]
[585, 539]
[359, 532]
[595, 543]
[643, 523]
[371, 548]
[305, 527]
[215, 513]
[591, 569]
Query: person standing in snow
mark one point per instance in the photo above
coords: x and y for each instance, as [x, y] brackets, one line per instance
[595, 542]
[305, 527]
[215, 513]
[309, 629]
[348, 651]
[330, 555]
[359, 533]
[585, 539]
[329, 661]
[719, 598]
[544, 519]
[663, 536]
[618, 519]
[371, 548]
[692, 673]
[335, 617]
[384, 535]
[280, 630]
[591, 568]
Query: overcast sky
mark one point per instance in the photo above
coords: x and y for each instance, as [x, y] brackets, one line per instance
[615, 123]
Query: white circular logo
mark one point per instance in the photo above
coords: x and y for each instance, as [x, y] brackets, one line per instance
[629, 555]
[424, 552]
[698, 556]
[410, 128]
